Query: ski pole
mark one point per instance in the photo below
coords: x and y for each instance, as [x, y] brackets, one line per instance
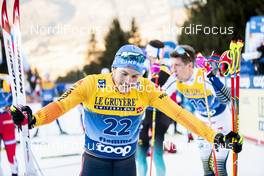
[12, 43]
[209, 119]
[154, 112]
[235, 74]
[231, 58]
[35, 161]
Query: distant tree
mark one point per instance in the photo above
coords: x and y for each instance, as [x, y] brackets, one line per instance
[114, 39]
[93, 54]
[221, 14]
[92, 68]
[71, 76]
[92, 42]
[134, 35]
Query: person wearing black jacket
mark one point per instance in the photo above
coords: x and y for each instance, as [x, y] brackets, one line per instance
[158, 74]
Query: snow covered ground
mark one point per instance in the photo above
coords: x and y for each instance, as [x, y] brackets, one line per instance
[49, 148]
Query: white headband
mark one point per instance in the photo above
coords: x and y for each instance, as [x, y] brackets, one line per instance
[153, 52]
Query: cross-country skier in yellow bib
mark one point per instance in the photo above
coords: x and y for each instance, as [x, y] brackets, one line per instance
[194, 86]
[114, 104]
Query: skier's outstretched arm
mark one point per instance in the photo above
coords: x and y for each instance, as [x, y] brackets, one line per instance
[161, 101]
[75, 95]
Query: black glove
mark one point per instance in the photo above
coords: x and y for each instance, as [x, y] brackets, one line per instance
[19, 114]
[230, 141]
[210, 74]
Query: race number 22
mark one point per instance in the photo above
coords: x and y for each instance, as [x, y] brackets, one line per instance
[113, 124]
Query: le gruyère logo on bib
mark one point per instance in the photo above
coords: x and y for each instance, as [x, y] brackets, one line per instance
[116, 104]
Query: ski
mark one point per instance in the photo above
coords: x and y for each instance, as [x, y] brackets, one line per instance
[154, 114]
[205, 68]
[12, 43]
[6, 29]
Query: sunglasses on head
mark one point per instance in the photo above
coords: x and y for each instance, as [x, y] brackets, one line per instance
[132, 56]
[181, 51]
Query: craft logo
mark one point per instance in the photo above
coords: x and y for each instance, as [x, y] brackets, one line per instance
[163, 96]
[69, 91]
